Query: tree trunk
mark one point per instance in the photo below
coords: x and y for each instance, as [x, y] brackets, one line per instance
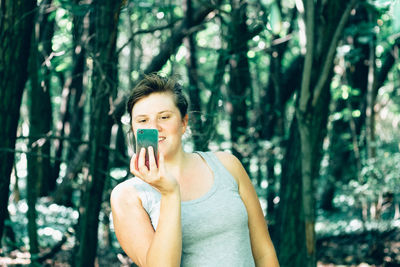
[39, 180]
[72, 111]
[312, 130]
[371, 99]
[289, 229]
[272, 109]
[212, 103]
[61, 125]
[45, 125]
[34, 159]
[211, 108]
[322, 38]
[104, 20]
[239, 82]
[194, 90]
[16, 27]
[75, 82]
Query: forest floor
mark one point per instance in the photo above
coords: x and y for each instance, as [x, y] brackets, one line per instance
[371, 248]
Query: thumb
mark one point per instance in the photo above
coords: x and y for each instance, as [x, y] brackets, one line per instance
[133, 165]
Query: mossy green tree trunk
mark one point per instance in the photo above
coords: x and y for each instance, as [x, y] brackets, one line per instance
[104, 23]
[16, 25]
[305, 150]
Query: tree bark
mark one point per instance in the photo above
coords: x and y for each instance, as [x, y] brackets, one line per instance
[16, 25]
[104, 19]
[61, 125]
[371, 98]
[34, 161]
[289, 230]
[194, 90]
[39, 179]
[45, 35]
[75, 82]
[239, 82]
[322, 38]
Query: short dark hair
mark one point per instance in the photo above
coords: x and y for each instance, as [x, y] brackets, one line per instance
[154, 83]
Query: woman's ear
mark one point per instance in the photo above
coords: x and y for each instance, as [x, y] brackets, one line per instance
[185, 121]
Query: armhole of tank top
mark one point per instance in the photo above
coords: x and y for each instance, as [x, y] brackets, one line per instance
[150, 201]
[144, 193]
[221, 167]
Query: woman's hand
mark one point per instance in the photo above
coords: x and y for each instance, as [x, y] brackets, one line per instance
[156, 176]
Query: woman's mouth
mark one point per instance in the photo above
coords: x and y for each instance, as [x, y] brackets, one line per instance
[161, 138]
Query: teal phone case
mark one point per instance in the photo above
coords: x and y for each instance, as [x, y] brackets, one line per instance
[146, 138]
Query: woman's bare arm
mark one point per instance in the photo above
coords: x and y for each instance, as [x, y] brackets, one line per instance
[132, 225]
[135, 233]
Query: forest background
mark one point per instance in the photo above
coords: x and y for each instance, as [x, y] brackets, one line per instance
[306, 93]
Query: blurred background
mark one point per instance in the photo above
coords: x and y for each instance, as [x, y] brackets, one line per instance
[306, 93]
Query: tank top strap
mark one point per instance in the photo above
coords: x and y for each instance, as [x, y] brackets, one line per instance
[211, 160]
[221, 174]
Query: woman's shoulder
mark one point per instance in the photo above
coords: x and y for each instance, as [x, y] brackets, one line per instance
[132, 192]
[125, 193]
[230, 161]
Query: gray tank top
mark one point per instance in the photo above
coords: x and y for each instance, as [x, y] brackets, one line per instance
[214, 227]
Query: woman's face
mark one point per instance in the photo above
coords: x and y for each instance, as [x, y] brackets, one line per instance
[158, 111]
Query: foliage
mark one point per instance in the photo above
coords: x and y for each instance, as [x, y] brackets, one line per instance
[145, 26]
[53, 222]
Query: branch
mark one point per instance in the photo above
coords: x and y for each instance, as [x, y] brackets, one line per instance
[49, 137]
[147, 31]
[331, 52]
[306, 77]
[179, 32]
[169, 47]
[34, 154]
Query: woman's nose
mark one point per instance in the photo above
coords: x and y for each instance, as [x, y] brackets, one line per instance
[153, 124]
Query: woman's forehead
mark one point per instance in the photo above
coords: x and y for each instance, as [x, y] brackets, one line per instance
[154, 103]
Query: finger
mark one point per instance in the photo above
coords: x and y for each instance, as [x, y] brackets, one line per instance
[152, 160]
[142, 160]
[133, 165]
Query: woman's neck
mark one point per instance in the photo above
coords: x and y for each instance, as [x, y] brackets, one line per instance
[176, 164]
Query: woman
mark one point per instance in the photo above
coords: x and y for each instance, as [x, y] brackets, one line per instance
[192, 209]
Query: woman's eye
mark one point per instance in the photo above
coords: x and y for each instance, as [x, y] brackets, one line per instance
[141, 121]
[164, 117]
